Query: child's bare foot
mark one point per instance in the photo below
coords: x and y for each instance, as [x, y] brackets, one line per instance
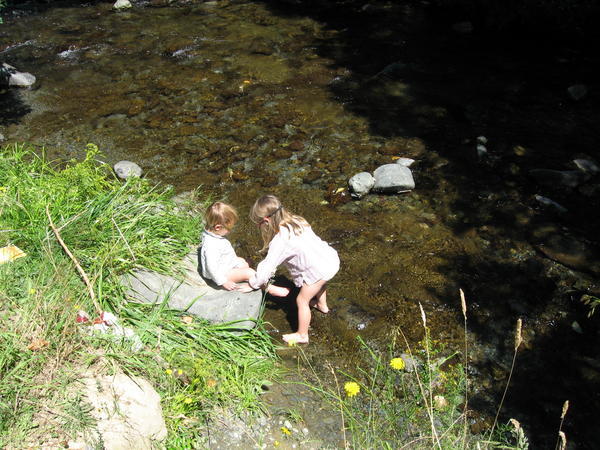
[244, 287]
[295, 338]
[278, 291]
[315, 304]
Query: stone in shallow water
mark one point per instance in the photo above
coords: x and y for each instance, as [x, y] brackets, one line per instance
[553, 178]
[122, 4]
[361, 183]
[191, 293]
[393, 178]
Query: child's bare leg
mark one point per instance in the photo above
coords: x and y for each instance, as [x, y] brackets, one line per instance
[242, 263]
[307, 292]
[278, 291]
[319, 301]
[240, 274]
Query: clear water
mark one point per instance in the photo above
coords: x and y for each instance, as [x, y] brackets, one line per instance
[246, 98]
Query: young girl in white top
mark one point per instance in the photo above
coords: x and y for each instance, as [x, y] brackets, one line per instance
[218, 260]
[311, 261]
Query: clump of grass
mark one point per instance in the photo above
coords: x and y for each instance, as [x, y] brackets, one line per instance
[412, 398]
[111, 228]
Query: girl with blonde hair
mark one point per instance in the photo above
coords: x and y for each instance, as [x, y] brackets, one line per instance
[290, 240]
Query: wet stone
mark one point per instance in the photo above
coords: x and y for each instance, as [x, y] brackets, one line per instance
[296, 146]
[312, 176]
[282, 153]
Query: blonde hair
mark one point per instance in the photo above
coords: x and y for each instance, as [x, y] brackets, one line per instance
[269, 206]
[220, 213]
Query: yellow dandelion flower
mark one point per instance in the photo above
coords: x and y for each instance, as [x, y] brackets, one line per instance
[397, 364]
[169, 372]
[276, 444]
[188, 400]
[31, 291]
[286, 431]
[351, 388]
[179, 372]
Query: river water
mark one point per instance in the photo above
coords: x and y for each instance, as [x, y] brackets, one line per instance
[246, 98]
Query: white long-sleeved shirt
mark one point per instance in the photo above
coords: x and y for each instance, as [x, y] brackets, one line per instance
[217, 257]
[307, 257]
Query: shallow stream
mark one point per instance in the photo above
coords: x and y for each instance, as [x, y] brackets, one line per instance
[246, 98]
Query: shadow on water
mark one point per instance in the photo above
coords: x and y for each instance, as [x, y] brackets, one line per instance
[411, 75]
[12, 107]
[230, 96]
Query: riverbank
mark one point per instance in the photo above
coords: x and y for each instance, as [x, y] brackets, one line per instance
[58, 338]
[69, 335]
[251, 98]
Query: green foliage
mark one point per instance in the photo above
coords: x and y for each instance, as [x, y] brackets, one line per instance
[110, 227]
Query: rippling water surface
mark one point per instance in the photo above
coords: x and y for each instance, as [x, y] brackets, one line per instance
[247, 98]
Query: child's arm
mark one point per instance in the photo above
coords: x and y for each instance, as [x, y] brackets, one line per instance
[266, 268]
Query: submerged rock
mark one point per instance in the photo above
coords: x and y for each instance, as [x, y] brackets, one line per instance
[189, 292]
[393, 178]
[550, 203]
[587, 166]
[571, 253]
[361, 184]
[577, 91]
[568, 178]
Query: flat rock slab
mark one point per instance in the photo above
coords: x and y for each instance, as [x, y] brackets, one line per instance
[191, 293]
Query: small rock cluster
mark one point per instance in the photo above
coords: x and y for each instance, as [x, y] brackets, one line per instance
[387, 179]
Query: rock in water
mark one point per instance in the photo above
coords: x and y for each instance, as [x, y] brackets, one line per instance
[406, 162]
[122, 4]
[587, 166]
[126, 169]
[550, 203]
[12, 77]
[393, 178]
[361, 184]
[568, 178]
[577, 91]
[571, 253]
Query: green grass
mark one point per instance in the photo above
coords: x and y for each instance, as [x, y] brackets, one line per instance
[111, 228]
[417, 401]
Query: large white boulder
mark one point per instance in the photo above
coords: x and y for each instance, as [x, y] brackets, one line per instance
[127, 412]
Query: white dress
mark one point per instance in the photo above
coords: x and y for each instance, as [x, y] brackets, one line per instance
[217, 257]
[307, 257]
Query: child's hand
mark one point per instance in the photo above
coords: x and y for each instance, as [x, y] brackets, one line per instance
[229, 286]
[245, 288]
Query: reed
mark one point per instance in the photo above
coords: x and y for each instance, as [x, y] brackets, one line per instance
[517, 342]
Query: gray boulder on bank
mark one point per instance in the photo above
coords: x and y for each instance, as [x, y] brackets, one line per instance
[190, 293]
[393, 178]
[361, 184]
[125, 169]
[127, 413]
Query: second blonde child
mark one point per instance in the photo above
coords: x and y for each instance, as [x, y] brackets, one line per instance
[291, 242]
